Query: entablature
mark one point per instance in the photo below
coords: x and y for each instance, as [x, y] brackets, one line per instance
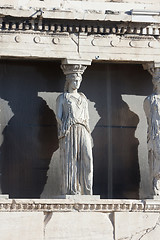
[9, 23]
[47, 38]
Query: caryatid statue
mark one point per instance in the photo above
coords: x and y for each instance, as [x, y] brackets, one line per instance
[74, 135]
[152, 111]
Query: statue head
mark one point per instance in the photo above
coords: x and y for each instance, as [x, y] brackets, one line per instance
[73, 80]
[154, 69]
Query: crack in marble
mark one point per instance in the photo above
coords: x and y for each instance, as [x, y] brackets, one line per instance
[142, 232]
[151, 229]
[47, 218]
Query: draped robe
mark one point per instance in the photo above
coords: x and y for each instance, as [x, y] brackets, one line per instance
[75, 145]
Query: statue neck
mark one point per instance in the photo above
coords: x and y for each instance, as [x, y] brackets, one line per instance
[71, 90]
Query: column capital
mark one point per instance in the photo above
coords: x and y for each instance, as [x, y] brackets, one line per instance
[71, 66]
[76, 61]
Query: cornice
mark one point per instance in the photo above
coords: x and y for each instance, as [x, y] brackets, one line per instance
[11, 24]
[82, 10]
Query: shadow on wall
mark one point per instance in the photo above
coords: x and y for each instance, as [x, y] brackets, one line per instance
[31, 136]
[116, 167]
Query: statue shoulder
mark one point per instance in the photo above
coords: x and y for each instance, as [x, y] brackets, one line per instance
[60, 98]
[82, 94]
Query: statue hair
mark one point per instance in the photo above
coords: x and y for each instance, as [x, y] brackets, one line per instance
[69, 77]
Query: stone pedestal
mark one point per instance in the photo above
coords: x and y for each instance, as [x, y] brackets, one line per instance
[4, 196]
[78, 197]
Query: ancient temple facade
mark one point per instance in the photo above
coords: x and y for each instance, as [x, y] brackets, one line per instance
[118, 42]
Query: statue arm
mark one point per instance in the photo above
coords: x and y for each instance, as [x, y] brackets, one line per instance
[147, 109]
[59, 109]
[87, 117]
[86, 112]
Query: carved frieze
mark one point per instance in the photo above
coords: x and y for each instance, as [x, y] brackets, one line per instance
[59, 205]
[69, 206]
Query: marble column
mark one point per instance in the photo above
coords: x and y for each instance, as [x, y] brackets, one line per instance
[152, 111]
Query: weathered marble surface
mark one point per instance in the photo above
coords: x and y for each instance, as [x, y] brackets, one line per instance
[73, 219]
[144, 226]
[48, 4]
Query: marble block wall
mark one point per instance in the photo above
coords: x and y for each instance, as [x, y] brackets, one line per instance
[75, 225]
[68, 220]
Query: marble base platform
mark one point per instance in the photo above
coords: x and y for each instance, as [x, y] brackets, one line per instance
[78, 197]
[110, 219]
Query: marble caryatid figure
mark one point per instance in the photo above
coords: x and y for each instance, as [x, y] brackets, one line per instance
[152, 111]
[74, 136]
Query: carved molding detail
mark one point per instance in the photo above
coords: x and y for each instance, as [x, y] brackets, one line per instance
[66, 206]
[73, 68]
[88, 27]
